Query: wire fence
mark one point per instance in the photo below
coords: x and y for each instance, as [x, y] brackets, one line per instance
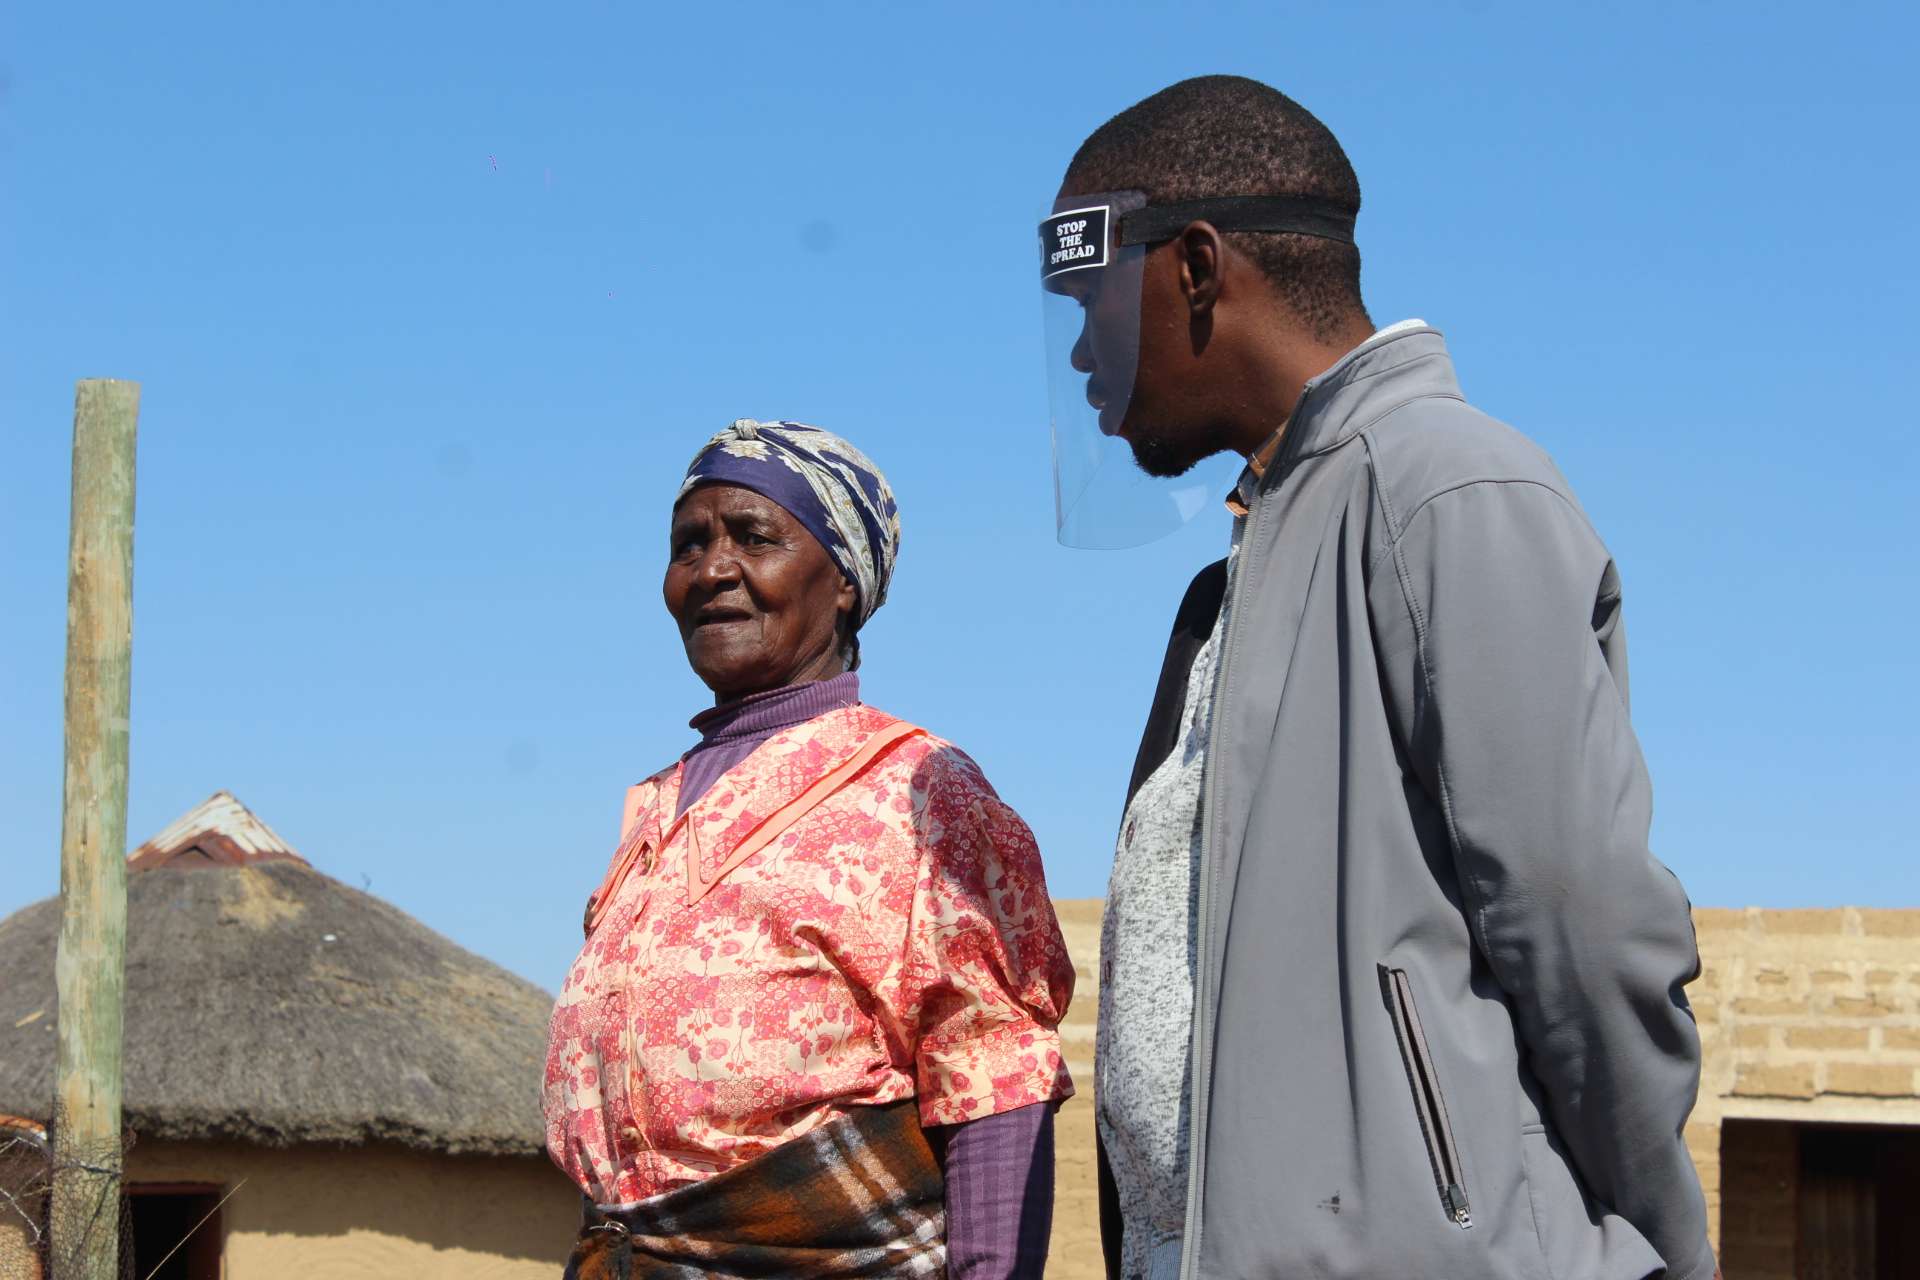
[89, 1209]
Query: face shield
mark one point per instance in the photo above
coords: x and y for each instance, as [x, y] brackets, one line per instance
[1093, 252]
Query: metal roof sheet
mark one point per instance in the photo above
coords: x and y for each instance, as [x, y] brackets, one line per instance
[217, 832]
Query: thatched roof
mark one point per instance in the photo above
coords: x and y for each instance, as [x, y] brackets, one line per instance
[269, 1003]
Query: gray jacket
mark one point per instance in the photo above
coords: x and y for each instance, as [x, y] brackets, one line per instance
[1439, 1025]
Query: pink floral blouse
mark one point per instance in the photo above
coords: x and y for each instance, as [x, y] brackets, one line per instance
[895, 940]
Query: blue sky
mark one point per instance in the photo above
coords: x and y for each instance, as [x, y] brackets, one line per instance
[431, 306]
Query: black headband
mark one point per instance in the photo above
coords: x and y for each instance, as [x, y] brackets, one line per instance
[1301, 215]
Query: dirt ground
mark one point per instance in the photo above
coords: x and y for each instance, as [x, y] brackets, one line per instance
[1075, 1253]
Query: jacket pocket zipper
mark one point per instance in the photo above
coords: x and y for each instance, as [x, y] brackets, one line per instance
[1428, 1104]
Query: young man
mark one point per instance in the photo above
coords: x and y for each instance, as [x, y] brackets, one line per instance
[1393, 986]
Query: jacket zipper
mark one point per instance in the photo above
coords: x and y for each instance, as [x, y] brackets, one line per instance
[1428, 1103]
[1200, 1099]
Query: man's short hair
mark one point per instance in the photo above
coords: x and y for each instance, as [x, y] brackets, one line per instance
[1231, 136]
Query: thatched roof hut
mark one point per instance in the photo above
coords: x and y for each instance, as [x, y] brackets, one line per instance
[271, 1006]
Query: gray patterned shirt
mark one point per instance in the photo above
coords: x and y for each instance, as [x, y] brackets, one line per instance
[1146, 984]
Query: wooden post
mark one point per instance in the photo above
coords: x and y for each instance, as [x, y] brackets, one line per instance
[90, 965]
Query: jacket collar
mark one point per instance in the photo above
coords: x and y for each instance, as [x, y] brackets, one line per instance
[1381, 374]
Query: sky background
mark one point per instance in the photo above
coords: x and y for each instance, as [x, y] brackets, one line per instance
[432, 304]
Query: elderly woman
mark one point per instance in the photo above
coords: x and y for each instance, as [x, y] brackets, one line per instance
[812, 1032]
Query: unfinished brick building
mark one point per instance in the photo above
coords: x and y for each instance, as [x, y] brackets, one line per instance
[1807, 1135]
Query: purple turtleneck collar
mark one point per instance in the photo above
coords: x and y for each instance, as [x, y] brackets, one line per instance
[730, 732]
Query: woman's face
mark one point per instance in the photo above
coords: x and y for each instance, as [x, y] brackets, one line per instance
[758, 599]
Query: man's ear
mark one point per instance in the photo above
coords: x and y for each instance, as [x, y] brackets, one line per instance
[1203, 255]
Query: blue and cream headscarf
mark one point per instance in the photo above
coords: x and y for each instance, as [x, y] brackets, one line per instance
[829, 486]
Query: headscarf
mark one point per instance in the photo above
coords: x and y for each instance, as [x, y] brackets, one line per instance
[829, 486]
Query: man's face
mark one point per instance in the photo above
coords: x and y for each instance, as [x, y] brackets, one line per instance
[1142, 363]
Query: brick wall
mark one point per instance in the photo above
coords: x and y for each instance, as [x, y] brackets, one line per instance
[1801, 1004]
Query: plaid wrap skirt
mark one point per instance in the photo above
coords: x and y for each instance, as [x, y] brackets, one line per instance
[862, 1195]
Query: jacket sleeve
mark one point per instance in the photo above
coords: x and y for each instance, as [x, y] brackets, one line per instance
[1497, 614]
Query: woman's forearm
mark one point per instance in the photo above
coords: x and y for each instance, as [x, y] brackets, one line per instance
[999, 1172]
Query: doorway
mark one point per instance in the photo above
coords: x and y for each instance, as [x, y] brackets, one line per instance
[1819, 1201]
[177, 1233]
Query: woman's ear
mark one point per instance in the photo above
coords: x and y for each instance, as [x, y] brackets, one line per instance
[846, 600]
